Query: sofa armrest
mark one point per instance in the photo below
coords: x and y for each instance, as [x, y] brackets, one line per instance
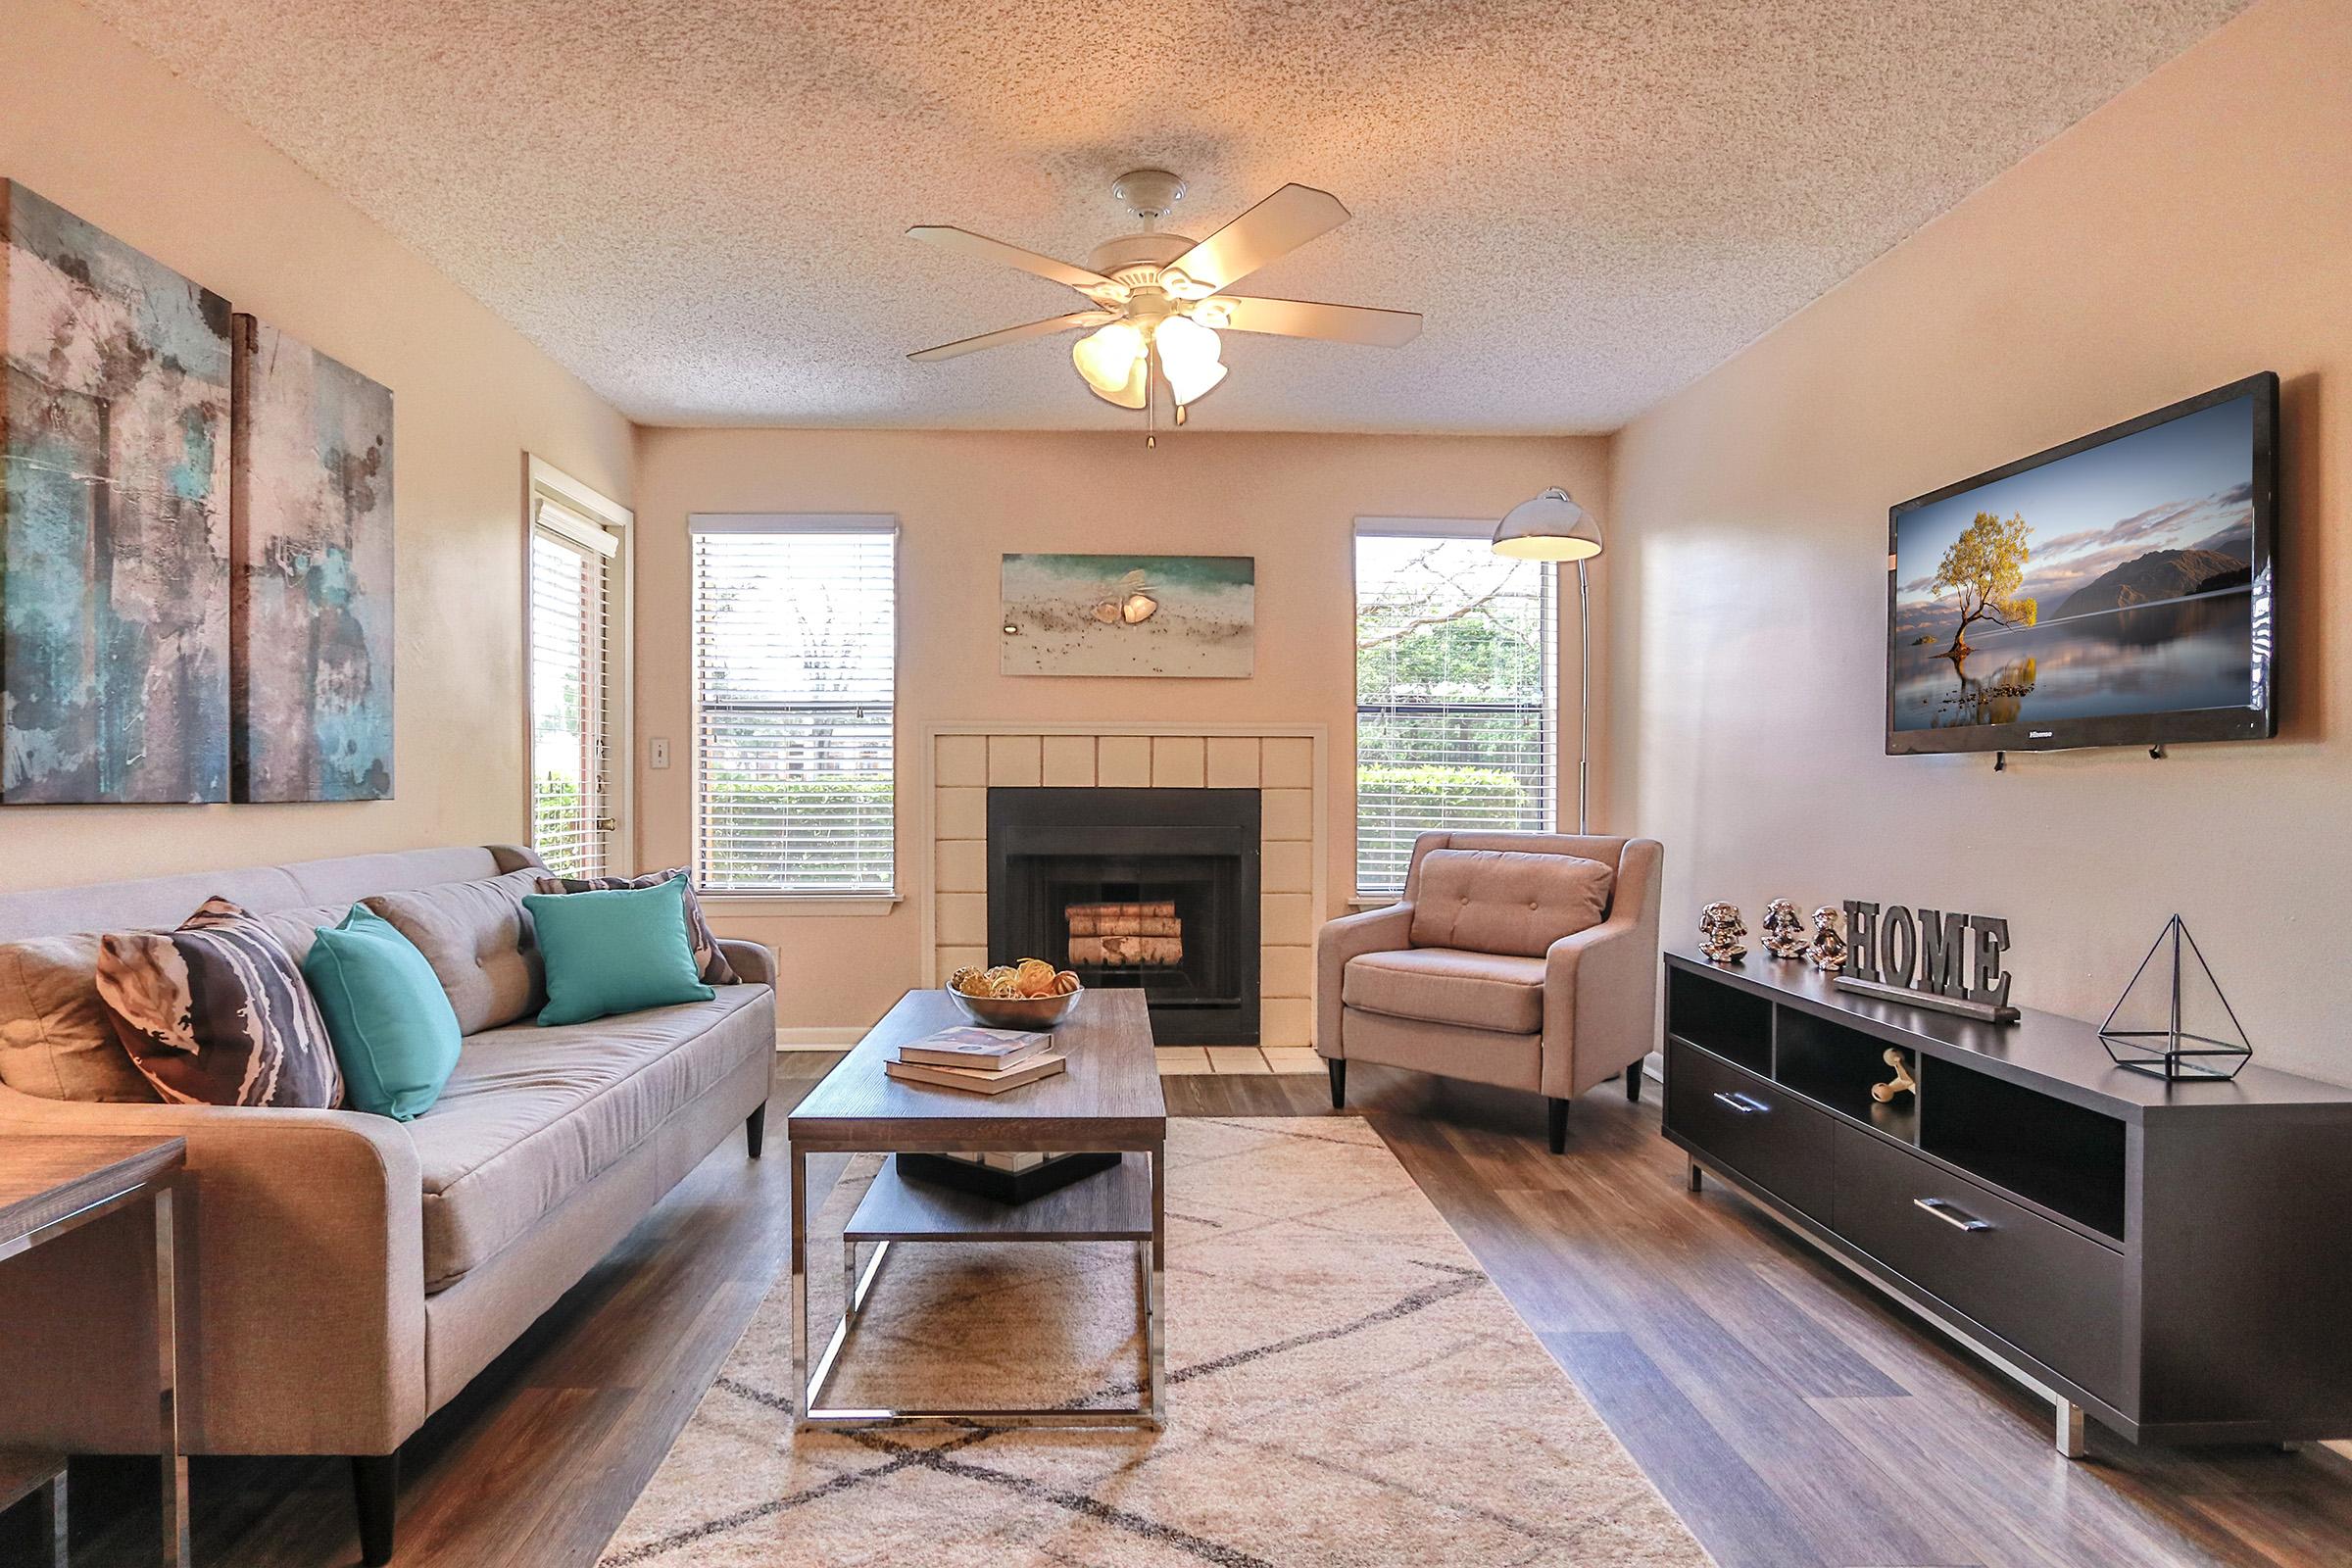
[754, 962]
[1352, 936]
[1599, 1001]
[302, 1269]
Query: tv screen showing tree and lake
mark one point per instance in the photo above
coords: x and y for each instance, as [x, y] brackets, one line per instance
[2115, 581]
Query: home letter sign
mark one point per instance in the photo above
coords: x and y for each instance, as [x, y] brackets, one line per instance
[1931, 959]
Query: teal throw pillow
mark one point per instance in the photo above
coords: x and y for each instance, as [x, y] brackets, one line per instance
[615, 952]
[395, 1034]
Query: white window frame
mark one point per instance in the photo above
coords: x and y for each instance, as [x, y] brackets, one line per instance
[566, 502]
[1440, 528]
[789, 904]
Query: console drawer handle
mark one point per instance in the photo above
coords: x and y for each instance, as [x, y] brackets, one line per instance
[1744, 1105]
[1958, 1220]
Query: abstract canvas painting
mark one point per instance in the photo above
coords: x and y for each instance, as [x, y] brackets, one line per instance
[113, 518]
[1177, 615]
[311, 597]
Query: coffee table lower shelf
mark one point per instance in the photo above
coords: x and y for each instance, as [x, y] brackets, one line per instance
[1120, 1204]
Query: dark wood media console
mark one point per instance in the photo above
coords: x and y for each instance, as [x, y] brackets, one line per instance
[2172, 1258]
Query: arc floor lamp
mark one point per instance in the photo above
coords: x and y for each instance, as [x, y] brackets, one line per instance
[1553, 527]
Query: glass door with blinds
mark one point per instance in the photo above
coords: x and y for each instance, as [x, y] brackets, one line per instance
[795, 671]
[573, 599]
[1456, 666]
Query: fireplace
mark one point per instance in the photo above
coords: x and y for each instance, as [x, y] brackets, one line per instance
[1155, 889]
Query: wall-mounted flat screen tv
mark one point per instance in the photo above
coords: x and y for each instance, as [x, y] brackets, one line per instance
[2118, 590]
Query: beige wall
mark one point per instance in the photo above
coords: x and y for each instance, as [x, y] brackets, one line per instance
[2198, 228]
[963, 500]
[99, 127]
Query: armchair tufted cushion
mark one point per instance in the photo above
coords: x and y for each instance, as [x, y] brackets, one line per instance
[1505, 901]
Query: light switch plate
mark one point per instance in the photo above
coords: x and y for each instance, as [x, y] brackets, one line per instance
[656, 752]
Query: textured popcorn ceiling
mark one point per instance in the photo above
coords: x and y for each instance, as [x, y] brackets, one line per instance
[698, 206]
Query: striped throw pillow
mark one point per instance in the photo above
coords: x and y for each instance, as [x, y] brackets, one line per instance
[217, 1013]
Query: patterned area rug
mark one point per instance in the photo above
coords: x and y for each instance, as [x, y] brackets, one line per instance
[1346, 1388]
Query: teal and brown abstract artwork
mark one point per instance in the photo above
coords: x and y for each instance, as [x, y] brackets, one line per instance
[310, 609]
[1189, 617]
[113, 518]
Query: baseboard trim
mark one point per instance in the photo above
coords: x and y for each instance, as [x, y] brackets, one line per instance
[823, 1038]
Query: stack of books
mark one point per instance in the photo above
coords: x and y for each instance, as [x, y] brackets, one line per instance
[986, 1061]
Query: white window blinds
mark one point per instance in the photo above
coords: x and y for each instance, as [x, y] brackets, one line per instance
[795, 669]
[1455, 665]
[572, 691]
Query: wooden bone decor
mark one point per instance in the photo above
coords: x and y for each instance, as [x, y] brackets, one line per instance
[1926, 959]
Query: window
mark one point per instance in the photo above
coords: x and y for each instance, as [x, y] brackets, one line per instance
[1455, 665]
[794, 665]
[577, 675]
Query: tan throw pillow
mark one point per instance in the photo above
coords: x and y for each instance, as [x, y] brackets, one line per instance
[1506, 900]
[710, 964]
[216, 1013]
[477, 936]
[55, 1040]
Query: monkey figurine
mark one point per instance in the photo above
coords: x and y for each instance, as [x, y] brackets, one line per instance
[1828, 951]
[1722, 934]
[1783, 930]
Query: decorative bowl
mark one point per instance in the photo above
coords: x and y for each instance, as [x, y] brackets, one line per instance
[1015, 1012]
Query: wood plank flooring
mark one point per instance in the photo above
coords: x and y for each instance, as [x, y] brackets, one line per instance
[1791, 1417]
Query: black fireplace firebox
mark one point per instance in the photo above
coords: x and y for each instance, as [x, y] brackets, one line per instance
[1154, 889]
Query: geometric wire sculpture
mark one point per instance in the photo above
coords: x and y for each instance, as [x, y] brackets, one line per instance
[2178, 1034]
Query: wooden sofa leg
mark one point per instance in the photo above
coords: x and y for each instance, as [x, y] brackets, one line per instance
[755, 1131]
[1633, 1083]
[1559, 1123]
[1338, 1082]
[375, 1482]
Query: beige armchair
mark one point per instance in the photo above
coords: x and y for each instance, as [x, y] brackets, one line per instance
[1529, 960]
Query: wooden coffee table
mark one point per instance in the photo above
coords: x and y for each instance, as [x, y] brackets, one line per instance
[1108, 1100]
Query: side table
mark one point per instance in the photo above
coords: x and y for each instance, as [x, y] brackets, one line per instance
[50, 1187]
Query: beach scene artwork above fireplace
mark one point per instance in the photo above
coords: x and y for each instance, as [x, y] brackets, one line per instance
[1169, 616]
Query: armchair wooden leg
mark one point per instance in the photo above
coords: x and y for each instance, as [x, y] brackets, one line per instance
[1338, 1082]
[375, 1482]
[755, 1131]
[1633, 1083]
[1558, 1109]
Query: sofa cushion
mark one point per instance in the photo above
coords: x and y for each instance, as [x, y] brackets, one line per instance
[55, 1040]
[1506, 900]
[531, 1115]
[1497, 991]
[478, 939]
[620, 949]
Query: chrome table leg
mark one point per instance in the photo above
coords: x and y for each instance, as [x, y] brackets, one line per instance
[800, 1286]
[166, 1352]
[2070, 1430]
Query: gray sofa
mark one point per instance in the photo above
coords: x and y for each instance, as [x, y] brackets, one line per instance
[347, 1274]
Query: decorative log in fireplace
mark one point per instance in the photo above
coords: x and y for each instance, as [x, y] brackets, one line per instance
[1146, 935]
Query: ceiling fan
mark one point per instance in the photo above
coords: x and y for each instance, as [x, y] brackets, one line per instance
[1159, 298]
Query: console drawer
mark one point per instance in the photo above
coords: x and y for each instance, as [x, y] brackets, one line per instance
[2055, 1295]
[1753, 1125]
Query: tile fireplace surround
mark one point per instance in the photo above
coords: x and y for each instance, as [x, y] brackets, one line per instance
[1285, 764]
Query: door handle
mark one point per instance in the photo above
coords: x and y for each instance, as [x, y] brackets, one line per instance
[1744, 1105]
[1958, 1220]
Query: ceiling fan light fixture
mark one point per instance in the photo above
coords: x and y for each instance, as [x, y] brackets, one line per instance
[1109, 358]
[1551, 527]
[1189, 352]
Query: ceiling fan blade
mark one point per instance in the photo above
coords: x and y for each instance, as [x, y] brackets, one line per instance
[1014, 334]
[1274, 228]
[1339, 324]
[980, 247]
